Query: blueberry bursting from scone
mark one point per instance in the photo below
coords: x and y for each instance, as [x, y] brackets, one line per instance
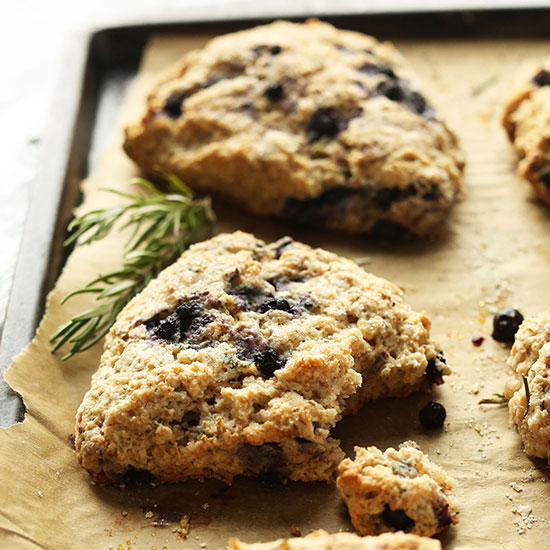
[323, 127]
[241, 357]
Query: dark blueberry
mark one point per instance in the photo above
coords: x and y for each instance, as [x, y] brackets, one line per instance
[186, 317]
[505, 324]
[542, 78]
[477, 341]
[417, 102]
[544, 178]
[250, 297]
[191, 419]
[275, 303]
[398, 90]
[169, 329]
[433, 374]
[274, 92]
[430, 196]
[71, 439]
[316, 211]
[173, 104]
[444, 517]
[372, 68]
[324, 123]
[267, 458]
[388, 230]
[391, 89]
[275, 50]
[267, 362]
[432, 415]
[134, 477]
[411, 190]
[386, 196]
[287, 241]
[397, 519]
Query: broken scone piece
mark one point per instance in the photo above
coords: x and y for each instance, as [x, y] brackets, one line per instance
[317, 125]
[241, 357]
[527, 121]
[398, 490]
[320, 540]
[528, 388]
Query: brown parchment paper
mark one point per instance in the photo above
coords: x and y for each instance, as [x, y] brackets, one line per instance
[495, 253]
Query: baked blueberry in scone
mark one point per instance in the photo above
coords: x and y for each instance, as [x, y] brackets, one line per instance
[321, 126]
[528, 388]
[527, 122]
[396, 490]
[241, 357]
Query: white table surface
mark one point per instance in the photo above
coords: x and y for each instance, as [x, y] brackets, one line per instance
[33, 34]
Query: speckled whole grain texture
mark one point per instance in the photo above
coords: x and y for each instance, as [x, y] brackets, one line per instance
[241, 357]
[321, 126]
[527, 121]
[530, 361]
[397, 490]
[320, 540]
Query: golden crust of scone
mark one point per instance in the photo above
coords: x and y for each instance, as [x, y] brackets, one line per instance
[346, 140]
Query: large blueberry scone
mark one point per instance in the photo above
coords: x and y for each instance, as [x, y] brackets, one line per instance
[317, 125]
[320, 540]
[528, 388]
[241, 357]
[396, 490]
[527, 121]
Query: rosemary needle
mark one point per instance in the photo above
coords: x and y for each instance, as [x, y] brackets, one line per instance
[163, 226]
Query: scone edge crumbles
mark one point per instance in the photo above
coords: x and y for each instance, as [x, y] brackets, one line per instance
[396, 490]
[527, 122]
[241, 357]
[305, 121]
[528, 388]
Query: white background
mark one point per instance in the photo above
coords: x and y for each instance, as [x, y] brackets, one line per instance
[33, 34]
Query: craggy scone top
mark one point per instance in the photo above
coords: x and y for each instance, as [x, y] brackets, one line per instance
[241, 357]
[528, 388]
[315, 124]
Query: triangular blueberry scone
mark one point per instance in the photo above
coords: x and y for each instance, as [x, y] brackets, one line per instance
[241, 357]
[318, 125]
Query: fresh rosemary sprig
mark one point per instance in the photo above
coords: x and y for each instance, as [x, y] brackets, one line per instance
[163, 226]
[498, 399]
